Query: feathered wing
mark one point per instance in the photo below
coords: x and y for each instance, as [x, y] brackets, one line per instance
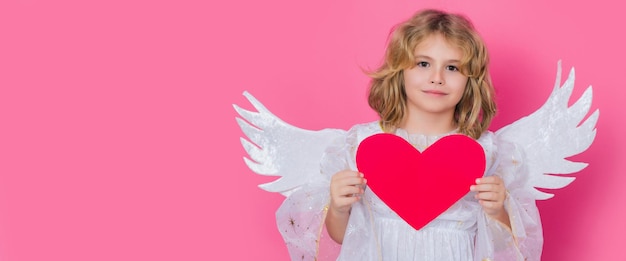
[277, 148]
[551, 134]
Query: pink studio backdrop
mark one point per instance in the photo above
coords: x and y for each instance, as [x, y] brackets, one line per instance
[118, 139]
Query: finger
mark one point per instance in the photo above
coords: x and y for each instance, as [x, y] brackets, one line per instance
[489, 196]
[349, 191]
[343, 202]
[486, 187]
[342, 197]
[489, 180]
[350, 173]
[488, 204]
[345, 174]
[351, 181]
[343, 192]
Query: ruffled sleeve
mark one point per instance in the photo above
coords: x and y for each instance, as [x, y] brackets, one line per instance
[359, 239]
[301, 217]
[524, 240]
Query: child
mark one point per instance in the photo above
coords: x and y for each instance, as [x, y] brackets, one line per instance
[433, 82]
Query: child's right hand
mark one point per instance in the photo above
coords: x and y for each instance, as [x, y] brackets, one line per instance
[346, 187]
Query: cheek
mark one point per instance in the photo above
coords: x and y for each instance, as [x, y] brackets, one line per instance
[413, 77]
[461, 80]
[458, 83]
[460, 88]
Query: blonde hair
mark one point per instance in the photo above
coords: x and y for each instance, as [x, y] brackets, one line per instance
[387, 96]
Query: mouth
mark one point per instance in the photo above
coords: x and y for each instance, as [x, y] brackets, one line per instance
[435, 92]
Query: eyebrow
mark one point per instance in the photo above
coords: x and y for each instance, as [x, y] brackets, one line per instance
[429, 58]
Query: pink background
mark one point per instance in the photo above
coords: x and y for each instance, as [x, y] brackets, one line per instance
[118, 139]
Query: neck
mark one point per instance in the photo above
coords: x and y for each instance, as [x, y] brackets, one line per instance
[428, 124]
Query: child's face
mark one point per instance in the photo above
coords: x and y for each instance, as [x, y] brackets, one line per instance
[435, 84]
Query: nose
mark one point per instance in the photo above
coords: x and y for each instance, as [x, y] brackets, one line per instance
[437, 82]
[436, 78]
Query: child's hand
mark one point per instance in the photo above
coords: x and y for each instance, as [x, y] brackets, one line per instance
[491, 195]
[345, 189]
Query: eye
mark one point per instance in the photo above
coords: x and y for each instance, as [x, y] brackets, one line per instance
[452, 68]
[423, 64]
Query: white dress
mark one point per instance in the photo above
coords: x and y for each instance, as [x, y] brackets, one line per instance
[375, 232]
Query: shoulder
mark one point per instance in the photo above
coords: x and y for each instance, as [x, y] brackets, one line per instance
[487, 140]
[361, 131]
[496, 147]
[503, 157]
[491, 142]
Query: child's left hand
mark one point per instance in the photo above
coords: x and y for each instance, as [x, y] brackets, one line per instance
[491, 195]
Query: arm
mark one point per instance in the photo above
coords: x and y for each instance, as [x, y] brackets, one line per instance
[509, 227]
[491, 195]
[346, 188]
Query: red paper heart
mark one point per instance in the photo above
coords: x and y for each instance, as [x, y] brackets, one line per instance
[420, 186]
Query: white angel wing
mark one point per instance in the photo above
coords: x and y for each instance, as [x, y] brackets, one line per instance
[280, 149]
[553, 133]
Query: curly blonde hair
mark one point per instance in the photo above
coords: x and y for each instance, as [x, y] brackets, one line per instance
[387, 96]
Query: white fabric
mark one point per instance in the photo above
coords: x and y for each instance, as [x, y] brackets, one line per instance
[375, 232]
[305, 161]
